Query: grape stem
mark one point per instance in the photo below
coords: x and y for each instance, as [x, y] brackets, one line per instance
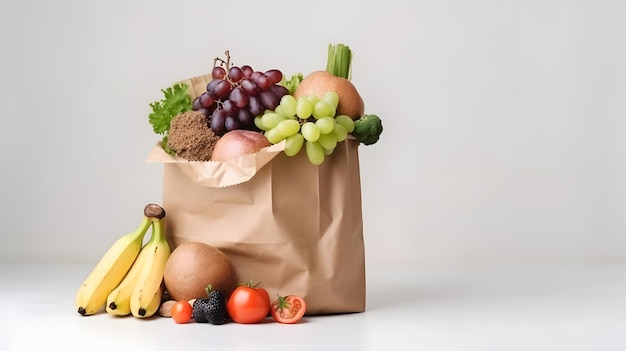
[226, 63]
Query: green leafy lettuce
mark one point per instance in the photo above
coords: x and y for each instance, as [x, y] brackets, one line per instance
[176, 100]
[292, 84]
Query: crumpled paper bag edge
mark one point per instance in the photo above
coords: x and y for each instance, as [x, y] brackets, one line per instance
[219, 174]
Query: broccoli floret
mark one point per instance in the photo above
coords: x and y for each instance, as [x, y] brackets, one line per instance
[367, 129]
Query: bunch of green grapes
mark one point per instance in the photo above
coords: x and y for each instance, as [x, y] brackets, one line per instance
[307, 121]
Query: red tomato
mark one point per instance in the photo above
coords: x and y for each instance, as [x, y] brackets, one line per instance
[181, 312]
[266, 296]
[248, 304]
[288, 309]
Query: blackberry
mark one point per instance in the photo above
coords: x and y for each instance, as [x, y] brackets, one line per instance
[212, 309]
[215, 309]
[199, 306]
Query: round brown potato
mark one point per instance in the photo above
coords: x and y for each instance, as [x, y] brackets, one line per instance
[192, 266]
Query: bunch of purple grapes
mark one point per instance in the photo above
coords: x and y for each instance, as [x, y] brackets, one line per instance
[233, 98]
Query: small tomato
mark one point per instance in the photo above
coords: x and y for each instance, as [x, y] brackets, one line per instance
[248, 304]
[288, 309]
[181, 312]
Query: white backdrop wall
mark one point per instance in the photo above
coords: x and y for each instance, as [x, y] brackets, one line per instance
[504, 120]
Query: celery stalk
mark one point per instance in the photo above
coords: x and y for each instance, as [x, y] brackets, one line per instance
[339, 61]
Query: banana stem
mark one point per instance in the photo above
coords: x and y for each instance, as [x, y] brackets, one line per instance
[154, 211]
[141, 230]
[158, 228]
[154, 214]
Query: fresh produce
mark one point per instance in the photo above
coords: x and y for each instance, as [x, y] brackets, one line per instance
[114, 265]
[306, 121]
[288, 309]
[292, 83]
[151, 306]
[248, 304]
[336, 78]
[211, 309]
[182, 312]
[176, 100]
[118, 301]
[320, 82]
[165, 310]
[322, 111]
[194, 265]
[235, 95]
[190, 136]
[313, 112]
[346, 122]
[339, 61]
[367, 129]
[146, 296]
[239, 142]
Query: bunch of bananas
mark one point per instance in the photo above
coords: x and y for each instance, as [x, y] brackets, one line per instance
[128, 279]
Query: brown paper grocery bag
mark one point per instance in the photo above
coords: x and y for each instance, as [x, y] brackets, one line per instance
[295, 227]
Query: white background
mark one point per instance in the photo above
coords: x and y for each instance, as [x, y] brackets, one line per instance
[504, 120]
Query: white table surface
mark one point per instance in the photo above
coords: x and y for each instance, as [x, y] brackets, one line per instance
[549, 306]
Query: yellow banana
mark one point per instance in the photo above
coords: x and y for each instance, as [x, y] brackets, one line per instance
[114, 265]
[118, 301]
[110, 270]
[151, 275]
[154, 304]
